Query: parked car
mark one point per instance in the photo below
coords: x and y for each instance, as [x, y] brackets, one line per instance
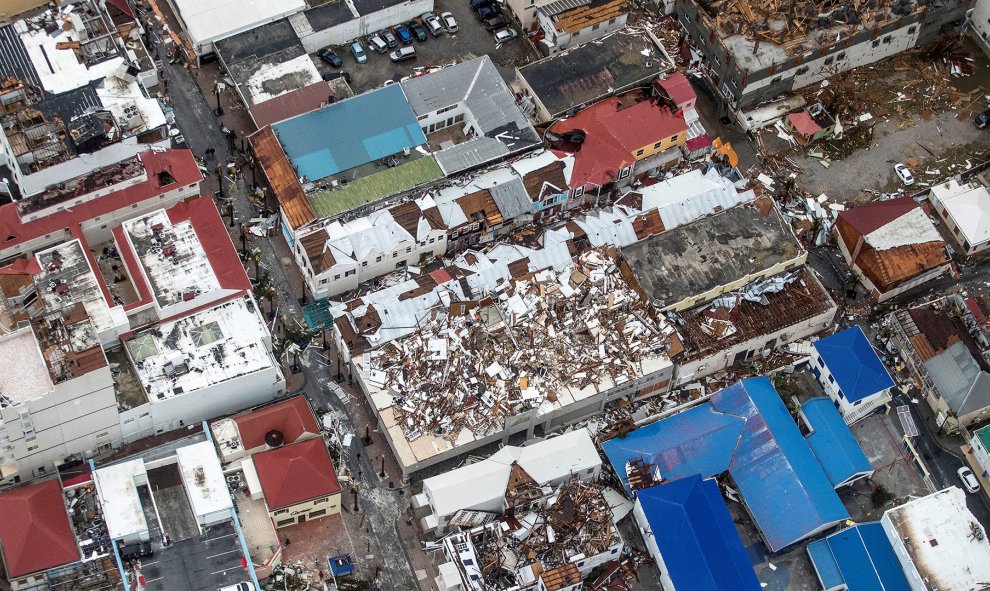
[404, 34]
[448, 22]
[968, 479]
[486, 12]
[983, 119]
[496, 22]
[417, 30]
[432, 23]
[135, 551]
[505, 35]
[330, 57]
[376, 43]
[357, 50]
[402, 54]
[476, 4]
[390, 39]
[904, 173]
[334, 75]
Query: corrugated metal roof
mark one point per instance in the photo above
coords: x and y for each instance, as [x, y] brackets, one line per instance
[561, 5]
[858, 558]
[282, 178]
[14, 59]
[959, 379]
[857, 369]
[511, 199]
[833, 443]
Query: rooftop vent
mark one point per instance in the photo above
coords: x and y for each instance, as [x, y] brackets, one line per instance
[274, 438]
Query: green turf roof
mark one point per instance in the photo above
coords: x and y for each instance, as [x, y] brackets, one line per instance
[374, 187]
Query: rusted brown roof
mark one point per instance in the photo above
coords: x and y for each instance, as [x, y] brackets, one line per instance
[892, 267]
[320, 257]
[282, 178]
[561, 577]
[536, 181]
[433, 217]
[407, 215]
[519, 268]
[648, 224]
[480, 203]
[631, 199]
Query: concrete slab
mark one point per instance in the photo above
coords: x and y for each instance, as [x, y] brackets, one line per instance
[173, 505]
[880, 436]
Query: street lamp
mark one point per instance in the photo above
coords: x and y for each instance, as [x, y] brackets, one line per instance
[382, 473]
[340, 376]
[217, 89]
[354, 493]
[367, 435]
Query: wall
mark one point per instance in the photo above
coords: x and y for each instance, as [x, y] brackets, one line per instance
[564, 41]
[651, 545]
[330, 504]
[907, 565]
[542, 114]
[363, 25]
[981, 454]
[980, 21]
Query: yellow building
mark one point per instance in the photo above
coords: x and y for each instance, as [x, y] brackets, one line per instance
[298, 481]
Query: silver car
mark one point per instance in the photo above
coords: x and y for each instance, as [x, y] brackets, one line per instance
[432, 23]
[448, 22]
[504, 35]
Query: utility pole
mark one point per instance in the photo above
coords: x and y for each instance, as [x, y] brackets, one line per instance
[354, 493]
[382, 473]
[217, 89]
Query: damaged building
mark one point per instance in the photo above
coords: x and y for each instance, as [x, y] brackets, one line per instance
[755, 51]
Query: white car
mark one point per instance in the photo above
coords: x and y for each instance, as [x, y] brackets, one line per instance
[504, 35]
[448, 22]
[968, 479]
[904, 173]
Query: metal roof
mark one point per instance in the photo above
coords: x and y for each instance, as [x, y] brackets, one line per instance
[511, 199]
[859, 558]
[959, 379]
[833, 443]
[696, 536]
[851, 360]
[14, 59]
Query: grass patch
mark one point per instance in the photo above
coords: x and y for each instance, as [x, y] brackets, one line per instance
[375, 187]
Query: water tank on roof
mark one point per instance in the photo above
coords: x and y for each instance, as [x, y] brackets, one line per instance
[274, 438]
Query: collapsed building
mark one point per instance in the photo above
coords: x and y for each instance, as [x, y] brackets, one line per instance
[755, 51]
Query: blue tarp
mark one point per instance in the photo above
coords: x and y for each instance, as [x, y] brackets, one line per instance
[350, 133]
[850, 358]
[833, 443]
[859, 557]
[697, 539]
[782, 483]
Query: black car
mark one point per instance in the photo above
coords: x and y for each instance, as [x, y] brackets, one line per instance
[135, 551]
[983, 119]
[496, 22]
[476, 4]
[417, 30]
[489, 11]
[334, 75]
[330, 57]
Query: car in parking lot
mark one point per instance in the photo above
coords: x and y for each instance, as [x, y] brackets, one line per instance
[390, 39]
[334, 75]
[476, 4]
[244, 586]
[968, 479]
[357, 50]
[448, 22]
[486, 12]
[496, 22]
[404, 34]
[417, 30]
[376, 43]
[505, 35]
[983, 119]
[432, 23]
[330, 57]
[135, 551]
[904, 173]
[402, 54]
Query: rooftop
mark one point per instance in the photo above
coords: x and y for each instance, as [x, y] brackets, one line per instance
[199, 350]
[203, 478]
[292, 417]
[960, 380]
[25, 373]
[937, 533]
[117, 488]
[282, 178]
[696, 536]
[207, 22]
[410, 173]
[969, 206]
[859, 557]
[705, 255]
[35, 534]
[292, 103]
[586, 73]
[856, 367]
[833, 444]
[295, 473]
[678, 88]
[747, 431]
[67, 278]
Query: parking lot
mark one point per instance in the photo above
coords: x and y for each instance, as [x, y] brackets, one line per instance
[471, 40]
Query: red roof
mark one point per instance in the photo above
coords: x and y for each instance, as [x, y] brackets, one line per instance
[296, 473]
[212, 233]
[697, 143]
[133, 268]
[34, 533]
[803, 123]
[678, 88]
[178, 163]
[867, 218]
[613, 136]
[292, 417]
[22, 266]
[441, 276]
[290, 104]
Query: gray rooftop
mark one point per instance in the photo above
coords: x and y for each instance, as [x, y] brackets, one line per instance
[714, 251]
[959, 379]
[511, 199]
[261, 49]
[593, 71]
[560, 6]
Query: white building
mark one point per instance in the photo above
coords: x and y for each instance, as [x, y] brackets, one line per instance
[980, 443]
[206, 22]
[851, 373]
[481, 486]
[965, 209]
[117, 488]
[569, 23]
[979, 20]
[940, 544]
[205, 484]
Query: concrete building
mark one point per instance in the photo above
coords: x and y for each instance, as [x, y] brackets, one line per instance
[298, 482]
[253, 431]
[891, 246]
[851, 373]
[203, 24]
[754, 56]
[566, 23]
[980, 445]
[965, 209]
[336, 23]
[980, 24]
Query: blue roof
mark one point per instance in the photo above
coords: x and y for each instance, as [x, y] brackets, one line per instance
[833, 443]
[854, 364]
[859, 557]
[350, 133]
[782, 483]
[696, 536]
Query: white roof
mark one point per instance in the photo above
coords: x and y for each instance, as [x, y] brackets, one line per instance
[969, 206]
[935, 532]
[914, 227]
[25, 375]
[73, 269]
[119, 498]
[263, 85]
[214, 20]
[690, 196]
[483, 482]
[58, 69]
[203, 477]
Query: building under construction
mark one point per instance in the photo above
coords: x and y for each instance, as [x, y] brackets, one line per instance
[753, 51]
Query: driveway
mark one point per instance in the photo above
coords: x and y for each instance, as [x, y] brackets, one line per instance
[471, 40]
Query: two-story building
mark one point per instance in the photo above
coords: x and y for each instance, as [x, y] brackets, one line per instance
[851, 373]
[568, 23]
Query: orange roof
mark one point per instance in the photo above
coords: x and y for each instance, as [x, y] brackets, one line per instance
[292, 417]
[678, 88]
[299, 101]
[282, 177]
[803, 123]
[296, 473]
[35, 534]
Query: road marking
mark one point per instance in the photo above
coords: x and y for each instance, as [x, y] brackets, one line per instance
[225, 570]
[223, 553]
[150, 581]
[220, 538]
[144, 564]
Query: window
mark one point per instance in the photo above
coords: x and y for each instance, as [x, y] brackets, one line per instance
[595, 27]
[400, 265]
[315, 514]
[134, 206]
[831, 379]
[408, 249]
[395, 255]
[912, 29]
[576, 33]
[639, 152]
[349, 273]
[801, 71]
[841, 56]
[578, 192]
[364, 263]
[324, 281]
[775, 80]
[285, 522]
[876, 43]
[445, 109]
[829, 60]
[624, 173]
[886, 40]
[657, 145]
[611, 21]
[102, 435]
[336, 277]
[32, 448]
[320, 501]
[432, 240]
[281, 512]
[674, 138]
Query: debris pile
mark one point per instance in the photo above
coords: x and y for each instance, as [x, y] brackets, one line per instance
[536, 345]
